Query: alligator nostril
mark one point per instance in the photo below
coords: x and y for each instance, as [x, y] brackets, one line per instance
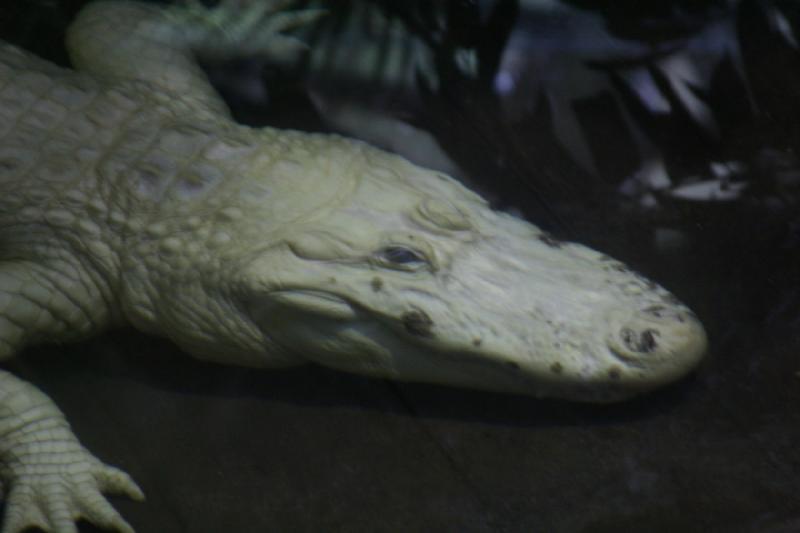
[644, 342]
[660, 341]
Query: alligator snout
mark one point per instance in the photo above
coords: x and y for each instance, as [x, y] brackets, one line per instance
[658, 337]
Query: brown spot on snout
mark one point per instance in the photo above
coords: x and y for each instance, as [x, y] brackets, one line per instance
[477, 341]
[417, 323]
[377, 284]
[556, 368]
[615, 372]
[549, 240]
[660, 311]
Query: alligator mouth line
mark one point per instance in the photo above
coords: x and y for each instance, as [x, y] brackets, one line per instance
[320, 302]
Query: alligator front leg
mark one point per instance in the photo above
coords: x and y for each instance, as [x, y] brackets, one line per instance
[120, 39]
[50, 480]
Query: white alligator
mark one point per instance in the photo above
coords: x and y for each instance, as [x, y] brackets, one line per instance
[129, 196]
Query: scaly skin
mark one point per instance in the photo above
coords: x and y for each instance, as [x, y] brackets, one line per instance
[128, 196]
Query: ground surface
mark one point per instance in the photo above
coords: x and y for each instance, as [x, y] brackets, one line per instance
[224, 449]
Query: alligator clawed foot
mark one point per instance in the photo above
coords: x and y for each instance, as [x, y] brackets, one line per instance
[53, 495]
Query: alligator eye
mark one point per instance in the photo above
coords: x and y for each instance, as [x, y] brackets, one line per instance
[402, 257]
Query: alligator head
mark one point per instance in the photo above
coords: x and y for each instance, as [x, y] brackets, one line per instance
[413, 277]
